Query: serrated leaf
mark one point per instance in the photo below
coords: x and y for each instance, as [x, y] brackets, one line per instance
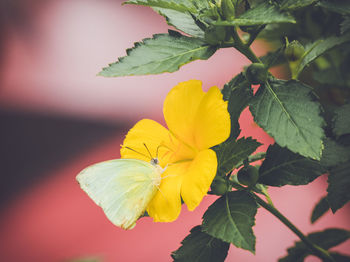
[286, 111]
[201, 247]
[320, 209]
[338, 186]
[325, 239]
[232, 152]
[283, 167]
[182, 21]
[341, 120]
[238, 93]
[231, 218]
[178, 5]
[314, 50]
[162, 53]
[334, 153]
[295, 4]
[341, 7]
[262, 14]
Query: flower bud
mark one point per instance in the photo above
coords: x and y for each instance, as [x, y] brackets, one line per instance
[215, 35]
[248, 175]
[256, 73]
[228, 9]
[294, 51]
[220, 186]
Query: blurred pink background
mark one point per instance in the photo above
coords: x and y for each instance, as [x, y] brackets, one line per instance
[59, 117]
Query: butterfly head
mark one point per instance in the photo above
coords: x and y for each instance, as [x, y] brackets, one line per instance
[155, 161]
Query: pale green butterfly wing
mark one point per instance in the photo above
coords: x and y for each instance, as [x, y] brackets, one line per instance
[122, 187]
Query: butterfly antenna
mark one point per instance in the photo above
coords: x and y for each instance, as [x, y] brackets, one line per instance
[148, 151]
[136, 151]
[158, 150]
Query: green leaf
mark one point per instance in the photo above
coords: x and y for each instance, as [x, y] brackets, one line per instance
[341, 7]
[162, 53]
[318, 48]
[329, 76]
[320, 209]
[325, 239]
[296, 4]
[274, 58]
[286, 111]
[338, 186]
[201, 247]
[283, 167]
[238, 93]
[341, 120]
[345, 25]
[183, 21]
[232, 152]
[334, 153]
[178, 5]
[263, 13]
[231, 218]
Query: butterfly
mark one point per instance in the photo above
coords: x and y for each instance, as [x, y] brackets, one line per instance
[123, 188]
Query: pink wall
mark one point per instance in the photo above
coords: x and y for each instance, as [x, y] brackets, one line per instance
[53, 70]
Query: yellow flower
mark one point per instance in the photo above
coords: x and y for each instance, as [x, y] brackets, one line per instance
[197, 121]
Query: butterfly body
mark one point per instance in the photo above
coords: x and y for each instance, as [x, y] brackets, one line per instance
[122, 188]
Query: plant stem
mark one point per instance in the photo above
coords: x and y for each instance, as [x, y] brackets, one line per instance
[243, 48]
[316, 250]
[251, 159]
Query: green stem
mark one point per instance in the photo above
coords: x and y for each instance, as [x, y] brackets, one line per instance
[254, 35]
[251, 159]
[243, 48]
[316, 250]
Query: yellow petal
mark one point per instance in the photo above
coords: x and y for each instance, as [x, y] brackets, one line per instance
[212, 122]
[180, 108]
[166, 204]
[197, 180]
[153, 135]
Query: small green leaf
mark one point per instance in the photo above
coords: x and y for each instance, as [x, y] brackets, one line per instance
[341, 120]
[287, 111]
[232, 152]
[283, 167]
[178, 5]
[318, 48]
[338, 186]
[231, 218]
[274, 58]
[263, 13]
[325, 239]
[201, 247]
[183, 21]
[320, 209]
[238, 93]
[341, 7]
[295, 4]
[162, 53]
[334, 153]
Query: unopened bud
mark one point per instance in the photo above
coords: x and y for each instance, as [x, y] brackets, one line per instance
[248, 175]
[294, 51]
[256, 73]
